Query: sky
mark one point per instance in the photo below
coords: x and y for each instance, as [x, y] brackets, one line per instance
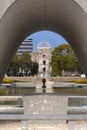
[53, 38]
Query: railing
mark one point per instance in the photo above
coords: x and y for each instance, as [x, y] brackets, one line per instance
[10, 98]
[42, 117]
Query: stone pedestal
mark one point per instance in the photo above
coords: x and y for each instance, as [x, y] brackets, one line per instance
[45, 104]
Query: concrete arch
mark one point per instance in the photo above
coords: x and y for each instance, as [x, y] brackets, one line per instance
[25, 17]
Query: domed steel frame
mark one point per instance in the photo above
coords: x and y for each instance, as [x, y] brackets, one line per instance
[43, 44]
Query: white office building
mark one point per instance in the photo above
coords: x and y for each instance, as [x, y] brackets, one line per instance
[27, 45]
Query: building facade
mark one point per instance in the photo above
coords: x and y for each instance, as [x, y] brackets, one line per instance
[27, 45]
[43, 57]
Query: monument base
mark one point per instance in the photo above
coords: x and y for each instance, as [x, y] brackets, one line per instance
[45, 104]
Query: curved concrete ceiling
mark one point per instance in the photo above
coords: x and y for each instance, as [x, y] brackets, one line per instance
[25, 17]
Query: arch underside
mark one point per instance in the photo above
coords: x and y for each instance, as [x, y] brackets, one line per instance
[25, 17]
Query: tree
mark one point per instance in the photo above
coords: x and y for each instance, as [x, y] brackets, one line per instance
[63, 58]
[14, 66]
[55, 69]
[26, 63]
[22, 66]
[34, 69]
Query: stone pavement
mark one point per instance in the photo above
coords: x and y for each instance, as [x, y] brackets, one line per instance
[10, 125]
[16, 125]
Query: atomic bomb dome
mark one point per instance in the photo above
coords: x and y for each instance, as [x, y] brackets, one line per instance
[43, 45]
[43, 57]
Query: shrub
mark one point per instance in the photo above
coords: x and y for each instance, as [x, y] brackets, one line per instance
[5, 80]
[82, 81]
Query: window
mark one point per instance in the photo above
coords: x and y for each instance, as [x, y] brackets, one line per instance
[44, 62]
[43, 56]
[44, 69]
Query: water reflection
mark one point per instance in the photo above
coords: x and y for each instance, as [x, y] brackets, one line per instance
[60, 91]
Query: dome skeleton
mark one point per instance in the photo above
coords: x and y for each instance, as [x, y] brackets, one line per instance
[43, 45]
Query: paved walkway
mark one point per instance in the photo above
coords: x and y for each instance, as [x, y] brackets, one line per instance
[10, 125]
[16, 125]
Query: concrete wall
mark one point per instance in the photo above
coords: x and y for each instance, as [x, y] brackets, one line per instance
[20, 18]
[5, 4]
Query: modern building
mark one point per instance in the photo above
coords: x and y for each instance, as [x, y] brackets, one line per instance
[43, 57]
[27, 45]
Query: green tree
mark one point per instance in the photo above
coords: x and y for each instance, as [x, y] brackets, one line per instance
[28, 67]
[26, 63]
[14, 66]
[55, 69]
[34, 69]
[63, 58]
